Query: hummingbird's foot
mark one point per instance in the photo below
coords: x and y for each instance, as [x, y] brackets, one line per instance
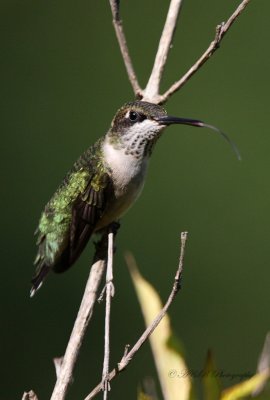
[114, 226]
[101, 248]
[108, 286]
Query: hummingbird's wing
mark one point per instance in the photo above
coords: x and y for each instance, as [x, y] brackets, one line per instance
[87, 211]
[67, 223]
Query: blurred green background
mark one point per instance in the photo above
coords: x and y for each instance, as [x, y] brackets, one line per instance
[62, 79]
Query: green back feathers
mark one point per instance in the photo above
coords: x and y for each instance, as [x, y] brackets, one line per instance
[54, 224]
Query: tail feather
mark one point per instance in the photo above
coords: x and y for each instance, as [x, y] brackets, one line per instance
[38, 279]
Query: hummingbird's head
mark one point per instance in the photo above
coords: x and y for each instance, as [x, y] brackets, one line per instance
[137, 125]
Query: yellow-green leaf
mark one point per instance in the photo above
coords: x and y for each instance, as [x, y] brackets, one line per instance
[245, 388]
[211, 383]
[173, 373]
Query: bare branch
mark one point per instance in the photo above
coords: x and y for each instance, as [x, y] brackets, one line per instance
[152, 89]
[127, 357]
[109, 295]
[221, 30]
[64, 377]
[117, 23]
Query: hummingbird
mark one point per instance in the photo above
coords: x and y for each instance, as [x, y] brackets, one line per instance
[101, 186]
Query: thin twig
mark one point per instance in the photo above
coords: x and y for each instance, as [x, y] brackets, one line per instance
[117, 23]
[127, 357]
[221, 30]
[109, 295]
[152, 88]
[64, 377]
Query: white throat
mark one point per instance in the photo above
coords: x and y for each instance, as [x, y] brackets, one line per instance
[125, 168]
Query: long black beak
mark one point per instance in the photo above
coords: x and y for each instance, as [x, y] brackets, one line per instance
[169, 120]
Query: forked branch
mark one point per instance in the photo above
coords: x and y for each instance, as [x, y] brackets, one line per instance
[151, 92]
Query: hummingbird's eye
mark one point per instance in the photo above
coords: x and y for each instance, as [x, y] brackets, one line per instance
[133, 116]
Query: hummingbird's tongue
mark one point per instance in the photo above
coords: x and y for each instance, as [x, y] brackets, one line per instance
[170, 120]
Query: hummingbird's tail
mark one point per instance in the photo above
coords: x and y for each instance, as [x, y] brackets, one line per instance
[38, 278]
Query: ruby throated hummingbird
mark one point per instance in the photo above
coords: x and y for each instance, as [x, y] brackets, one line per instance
[103, 183]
